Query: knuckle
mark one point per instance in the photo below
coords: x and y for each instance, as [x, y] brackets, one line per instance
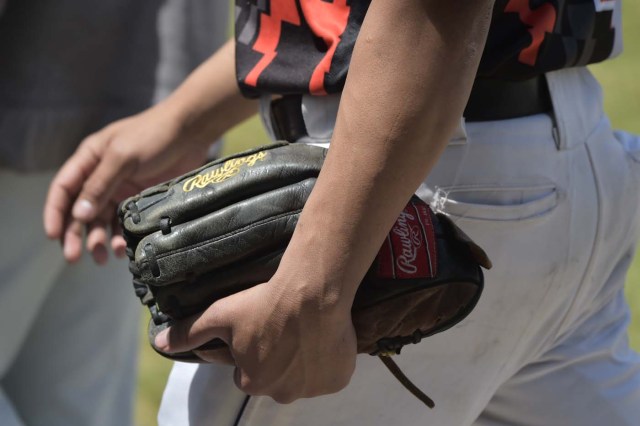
[244, 383]
[119, 152]
[92, 147]
[95, 138]
[91, 142]
[284, 397]
[217, 313]
[121, 155]
[94, 189]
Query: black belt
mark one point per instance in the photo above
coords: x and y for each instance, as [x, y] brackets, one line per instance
[489, 100]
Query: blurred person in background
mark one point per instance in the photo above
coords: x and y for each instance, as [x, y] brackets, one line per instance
[68, 68]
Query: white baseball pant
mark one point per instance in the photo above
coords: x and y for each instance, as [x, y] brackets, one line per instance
[69, 332]
[554, 201]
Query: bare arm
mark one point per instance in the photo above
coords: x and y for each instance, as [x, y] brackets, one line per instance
[131, 154]
[209, 102]
[413, 68]
[410, 77]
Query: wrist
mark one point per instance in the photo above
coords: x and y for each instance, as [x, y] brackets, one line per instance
[317, 270]
[191, 125]
[319, 303]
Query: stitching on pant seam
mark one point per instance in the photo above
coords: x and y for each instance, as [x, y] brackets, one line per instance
[590, 263]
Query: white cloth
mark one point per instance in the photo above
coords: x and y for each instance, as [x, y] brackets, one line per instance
[68, 333]
[555, 204]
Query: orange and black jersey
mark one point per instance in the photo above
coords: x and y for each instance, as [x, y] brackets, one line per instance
[304, 46]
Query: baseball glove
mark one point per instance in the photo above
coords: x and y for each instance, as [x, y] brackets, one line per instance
[224, 227]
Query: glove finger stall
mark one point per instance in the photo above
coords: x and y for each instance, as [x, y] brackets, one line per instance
[182, 299]
[410, 309]
[232, 234]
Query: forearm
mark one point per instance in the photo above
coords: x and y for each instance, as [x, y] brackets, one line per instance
[209, 102]
[392, 126]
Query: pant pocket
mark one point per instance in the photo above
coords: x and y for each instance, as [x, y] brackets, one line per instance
[497, 203]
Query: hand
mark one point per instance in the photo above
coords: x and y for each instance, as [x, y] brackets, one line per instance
[108, 166]
[284, 343]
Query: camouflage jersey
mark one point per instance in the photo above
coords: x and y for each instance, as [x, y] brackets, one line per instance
[304, 46]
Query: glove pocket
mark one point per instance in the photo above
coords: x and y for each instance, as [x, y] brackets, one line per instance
[185, 298]
[408, 317]
[396, 304]
[231, 235]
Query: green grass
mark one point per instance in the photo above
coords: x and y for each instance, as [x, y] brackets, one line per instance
[622, 102]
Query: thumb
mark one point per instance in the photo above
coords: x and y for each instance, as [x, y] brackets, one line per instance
[114, 166]
[193, 332]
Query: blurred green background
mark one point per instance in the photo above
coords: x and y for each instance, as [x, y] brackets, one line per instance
[621, 81]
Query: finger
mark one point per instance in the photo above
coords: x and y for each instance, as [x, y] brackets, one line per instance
[216, 356]
[119, 246]
[115, 166]
[97, 242]
[242, 381]
[118, 243]
[72, 241]
[67, 184]
[56, 210]
[197, 330]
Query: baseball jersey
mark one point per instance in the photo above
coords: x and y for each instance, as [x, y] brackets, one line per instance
[304, 46]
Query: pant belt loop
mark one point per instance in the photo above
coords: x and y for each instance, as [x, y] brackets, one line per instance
[560, 131]
[577, 105]
[460, 135]
[265, 116]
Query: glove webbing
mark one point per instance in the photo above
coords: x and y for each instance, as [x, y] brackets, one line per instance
[408, 384]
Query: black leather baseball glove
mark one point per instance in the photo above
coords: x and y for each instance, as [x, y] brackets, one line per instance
[224, 227]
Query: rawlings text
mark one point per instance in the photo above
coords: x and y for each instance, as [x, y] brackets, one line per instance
[229, 168]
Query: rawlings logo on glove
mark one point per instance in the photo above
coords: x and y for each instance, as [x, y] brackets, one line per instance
[229, 169]
[409, 250]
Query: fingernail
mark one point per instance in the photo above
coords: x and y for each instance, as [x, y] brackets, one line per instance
[83, 209]
[120, 252]
[100, 254]
[162, 339]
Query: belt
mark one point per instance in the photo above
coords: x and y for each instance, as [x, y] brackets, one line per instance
[490, 100]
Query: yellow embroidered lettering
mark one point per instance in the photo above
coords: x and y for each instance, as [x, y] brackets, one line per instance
[229, 169]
